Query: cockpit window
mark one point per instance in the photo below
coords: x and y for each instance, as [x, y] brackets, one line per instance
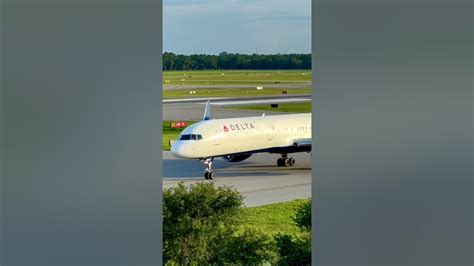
[190, 137]
[185, 137]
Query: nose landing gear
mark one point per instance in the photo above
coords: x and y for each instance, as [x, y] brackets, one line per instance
[285, 161]
[209, 173]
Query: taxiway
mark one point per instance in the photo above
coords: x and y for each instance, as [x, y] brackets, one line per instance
[258, 178]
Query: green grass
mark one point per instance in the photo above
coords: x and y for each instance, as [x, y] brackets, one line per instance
[170, 133]
[304, 107]
[272, 218]
[235, 77]
[233, 92]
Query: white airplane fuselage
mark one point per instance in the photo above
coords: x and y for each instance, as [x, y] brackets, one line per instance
[220, 137]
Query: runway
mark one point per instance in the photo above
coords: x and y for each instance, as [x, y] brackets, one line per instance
[258, 178]
[193, 109]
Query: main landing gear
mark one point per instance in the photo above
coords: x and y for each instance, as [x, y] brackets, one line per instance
[285, 161]
[208, 173]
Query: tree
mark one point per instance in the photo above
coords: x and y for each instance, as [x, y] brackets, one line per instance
[235, 61]
[295, 62]
[169, 61]
[296, 250]
[194, 219]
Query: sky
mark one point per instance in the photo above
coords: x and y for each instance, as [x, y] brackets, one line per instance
[236, 26]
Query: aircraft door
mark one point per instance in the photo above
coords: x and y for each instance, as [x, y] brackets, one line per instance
[217, 137]
[270, 131]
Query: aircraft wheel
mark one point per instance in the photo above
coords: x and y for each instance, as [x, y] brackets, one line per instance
[210, 176]
[281, 162]
[291, 161]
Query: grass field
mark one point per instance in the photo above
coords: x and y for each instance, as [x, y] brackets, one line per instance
[272, 218]
[234, 92]
[235, 77]
[303, 107]
[170, 133]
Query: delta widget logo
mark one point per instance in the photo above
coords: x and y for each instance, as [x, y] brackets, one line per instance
[233, 127]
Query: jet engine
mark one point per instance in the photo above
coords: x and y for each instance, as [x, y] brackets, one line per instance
[236, 157]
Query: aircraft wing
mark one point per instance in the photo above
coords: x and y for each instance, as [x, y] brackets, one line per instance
[302, 142]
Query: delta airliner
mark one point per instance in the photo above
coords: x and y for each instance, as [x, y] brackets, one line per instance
[236, 139]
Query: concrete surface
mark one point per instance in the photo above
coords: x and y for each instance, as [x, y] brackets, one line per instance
[258, 178]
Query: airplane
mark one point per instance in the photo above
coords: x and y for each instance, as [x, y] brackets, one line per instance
[236, 139]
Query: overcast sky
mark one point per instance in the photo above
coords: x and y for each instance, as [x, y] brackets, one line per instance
[237, 26]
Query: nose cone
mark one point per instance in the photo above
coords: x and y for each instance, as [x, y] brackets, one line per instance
[176, 149]
[181, 150]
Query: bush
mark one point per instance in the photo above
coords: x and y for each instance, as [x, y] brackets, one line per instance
[193, 218]
[303, 216]
[293, 250]
[248, 248]
[201, 226]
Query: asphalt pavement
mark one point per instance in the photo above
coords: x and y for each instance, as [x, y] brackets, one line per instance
[258, 178]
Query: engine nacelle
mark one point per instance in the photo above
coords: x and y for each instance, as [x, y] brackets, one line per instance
[236, 158]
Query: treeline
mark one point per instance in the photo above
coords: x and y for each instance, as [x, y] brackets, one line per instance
[225, 60]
